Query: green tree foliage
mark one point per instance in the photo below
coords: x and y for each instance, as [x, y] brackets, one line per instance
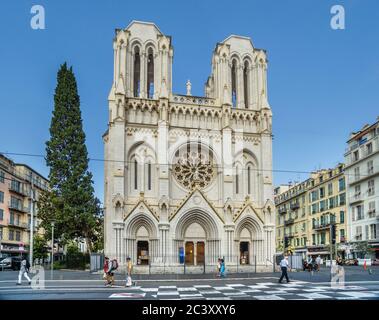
[363, 248]
[39, 247]
[70, 202]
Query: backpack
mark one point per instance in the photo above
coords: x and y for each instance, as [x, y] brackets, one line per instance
[114, 264]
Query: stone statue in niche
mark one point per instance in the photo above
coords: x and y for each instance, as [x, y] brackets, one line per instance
[164, 216]
[188, 86]
[228, 212]
[257, 121]
[118, 211]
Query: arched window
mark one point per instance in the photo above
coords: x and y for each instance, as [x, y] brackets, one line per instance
[246, 83]
[234, 82]
[248, 180]
[136, 76]
[135, 175]
[149, 176]
[150, 74]
[237, 180]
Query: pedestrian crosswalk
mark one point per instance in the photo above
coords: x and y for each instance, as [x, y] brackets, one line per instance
[295, 290]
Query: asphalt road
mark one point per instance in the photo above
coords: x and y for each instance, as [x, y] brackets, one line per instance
[358, 284]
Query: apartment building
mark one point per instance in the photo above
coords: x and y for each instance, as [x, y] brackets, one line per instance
[20, 188]
[362, 173]
[305, 211]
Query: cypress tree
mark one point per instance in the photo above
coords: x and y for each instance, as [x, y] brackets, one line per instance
[70, 202]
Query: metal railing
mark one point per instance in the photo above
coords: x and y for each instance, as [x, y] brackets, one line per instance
[193, 100]
[174, 264]
[16, 223]
[289, 221]
[17, 207]
[20, 189]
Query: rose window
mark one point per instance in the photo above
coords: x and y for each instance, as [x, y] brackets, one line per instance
[194, 169]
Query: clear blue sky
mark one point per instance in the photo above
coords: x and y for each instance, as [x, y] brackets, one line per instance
[323, 83]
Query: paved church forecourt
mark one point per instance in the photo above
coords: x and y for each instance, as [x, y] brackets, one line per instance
[360, 285]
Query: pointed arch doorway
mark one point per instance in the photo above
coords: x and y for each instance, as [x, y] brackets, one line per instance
[194, 239]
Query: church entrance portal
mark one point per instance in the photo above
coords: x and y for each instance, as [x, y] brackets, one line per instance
[190, 253]
[244, 252]
[143, 252]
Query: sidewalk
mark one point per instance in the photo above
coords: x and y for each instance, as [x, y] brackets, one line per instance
[351, 273]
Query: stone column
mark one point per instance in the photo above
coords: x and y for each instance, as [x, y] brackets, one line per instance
[123, 61]
[229, 230]
[129, 73]
[270, 244]
[118, 57]
[240, 87]
[157, 76]
[143, 75]
[114, 62]
[164, 252]
[228, 163]
[117, 251]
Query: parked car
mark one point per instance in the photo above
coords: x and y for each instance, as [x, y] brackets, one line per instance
[13, 263]
[375, 262]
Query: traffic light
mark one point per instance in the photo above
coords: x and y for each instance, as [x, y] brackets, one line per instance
[333, 233]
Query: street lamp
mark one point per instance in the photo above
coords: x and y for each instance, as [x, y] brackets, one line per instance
[31, 222]
[52, 248]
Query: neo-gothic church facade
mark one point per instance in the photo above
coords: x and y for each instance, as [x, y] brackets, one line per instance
[188, 179]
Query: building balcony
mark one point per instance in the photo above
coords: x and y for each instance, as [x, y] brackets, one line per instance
[289, 221]
[17, 224]
[371, 213]
[295, 206]
[19, 190]
[356, 198]
[205, 101]
[282, 210]
[322, 226]
[290, 234]
[17, 208]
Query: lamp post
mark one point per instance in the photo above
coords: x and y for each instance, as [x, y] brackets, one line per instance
[1, 247]
[31, 222]
[52, 249]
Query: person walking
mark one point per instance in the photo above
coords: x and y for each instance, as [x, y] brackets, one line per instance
[106, 269]
[219, 267]
[222, 268]
[24, 269]
[318, 262]
[108, 274]
[129, 268]
[284, 265]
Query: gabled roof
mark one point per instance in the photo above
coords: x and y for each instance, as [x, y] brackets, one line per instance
[239, 37]
[146, 205]
[189, 196]
[247, 204]
[146, 23]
